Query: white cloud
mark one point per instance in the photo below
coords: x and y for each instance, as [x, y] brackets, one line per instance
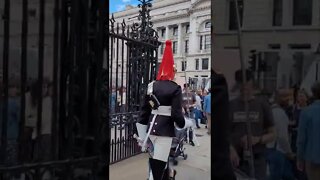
[126, 1]
[121, 7]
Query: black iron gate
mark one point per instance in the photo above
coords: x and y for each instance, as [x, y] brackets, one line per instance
[51, 126]
[133, 56]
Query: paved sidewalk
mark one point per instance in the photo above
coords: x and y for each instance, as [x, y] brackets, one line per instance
[197, 166]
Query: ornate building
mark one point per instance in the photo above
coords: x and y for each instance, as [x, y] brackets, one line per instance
[285, 35]
[188, 24]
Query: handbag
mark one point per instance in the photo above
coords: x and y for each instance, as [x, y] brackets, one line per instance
[203, 119]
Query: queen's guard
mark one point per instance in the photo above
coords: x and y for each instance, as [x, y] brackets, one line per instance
[161, 114]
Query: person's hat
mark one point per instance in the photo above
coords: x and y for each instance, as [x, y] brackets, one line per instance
[167, 69]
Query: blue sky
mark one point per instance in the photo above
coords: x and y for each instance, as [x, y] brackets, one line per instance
[119, 5]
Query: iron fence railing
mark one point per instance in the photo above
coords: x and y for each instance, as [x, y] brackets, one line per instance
[132, 64]
[50, 124]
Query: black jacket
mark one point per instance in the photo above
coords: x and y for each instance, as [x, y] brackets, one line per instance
[221, 165]
[168, 93]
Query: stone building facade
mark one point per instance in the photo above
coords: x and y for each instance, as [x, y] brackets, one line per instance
[286, 33]
[188, 24]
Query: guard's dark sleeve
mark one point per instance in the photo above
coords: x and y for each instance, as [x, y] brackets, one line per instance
[221, 165]
[176, 108]
[145, 111]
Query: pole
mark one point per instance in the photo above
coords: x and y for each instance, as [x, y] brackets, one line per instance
[244, 79]
[317, 71]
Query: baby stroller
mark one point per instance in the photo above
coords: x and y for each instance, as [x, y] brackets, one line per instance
[177, 148]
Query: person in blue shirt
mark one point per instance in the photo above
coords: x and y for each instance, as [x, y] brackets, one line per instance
[207, 109]
[308, 142]
[12, 124]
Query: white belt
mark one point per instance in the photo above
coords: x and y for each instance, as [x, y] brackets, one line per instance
[162, 110]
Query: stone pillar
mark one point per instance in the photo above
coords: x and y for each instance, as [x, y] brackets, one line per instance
[179, 49]
[285, 66]
[287, 15]
[167, 32]
[315, 13]
[193, 40]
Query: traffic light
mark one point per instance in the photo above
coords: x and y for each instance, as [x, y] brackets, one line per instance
[253, 60]
[262, 64]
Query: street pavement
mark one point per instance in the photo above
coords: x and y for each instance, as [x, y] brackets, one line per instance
[196, 166]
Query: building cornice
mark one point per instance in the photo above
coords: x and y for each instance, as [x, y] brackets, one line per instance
[170, 18]
[131, 12]
[187, 14]
[196, 71]
[197, 2]
[199, 54]
[297, 29]
[206, 53]
[191, 10]
[156, 5]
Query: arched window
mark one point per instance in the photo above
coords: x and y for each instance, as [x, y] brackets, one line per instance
[207, 25]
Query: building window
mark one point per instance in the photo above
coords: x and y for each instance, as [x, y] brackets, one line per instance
[205, 64]
[201, 45]
[32, 12]
[174, 47]
[183, 65]
[162, 48]
[175, 31]
[302, 12]
[233, 23]
[187, 28]
[186, 48]
[163, 32]
[274, 46]
[277, 13]
[207, 25]
[300, 46]
[207, 42]
[197, 64]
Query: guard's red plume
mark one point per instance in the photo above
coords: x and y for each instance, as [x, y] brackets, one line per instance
[166, 70]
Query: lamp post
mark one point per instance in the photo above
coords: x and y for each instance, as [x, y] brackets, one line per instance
[246, 104]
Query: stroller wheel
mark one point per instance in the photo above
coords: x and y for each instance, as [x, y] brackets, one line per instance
[206, 126]
[175, 162]
[185, 157]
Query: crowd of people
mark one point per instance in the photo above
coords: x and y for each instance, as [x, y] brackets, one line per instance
[27, 144]
[197, 105]
[284, 132]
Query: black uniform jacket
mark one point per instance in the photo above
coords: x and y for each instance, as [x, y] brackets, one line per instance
[168, 93]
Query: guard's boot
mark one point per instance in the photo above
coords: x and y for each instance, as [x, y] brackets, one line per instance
[159, 169]
[172, 174]
[166, 175]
